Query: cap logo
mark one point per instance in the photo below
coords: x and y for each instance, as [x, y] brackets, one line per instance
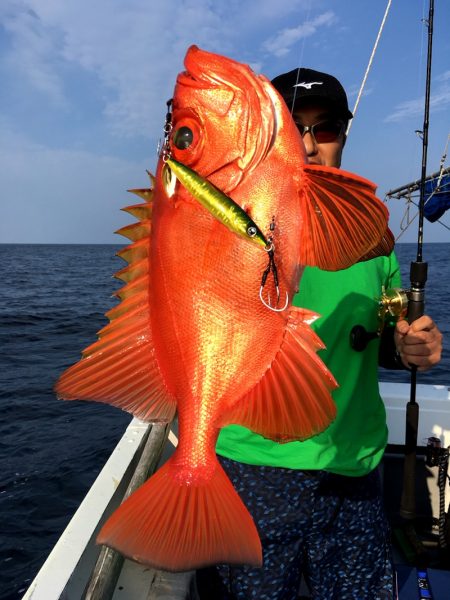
[307, 85]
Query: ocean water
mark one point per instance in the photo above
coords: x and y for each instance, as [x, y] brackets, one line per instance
[52, 302]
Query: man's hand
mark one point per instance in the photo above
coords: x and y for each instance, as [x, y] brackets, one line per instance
[418, 344]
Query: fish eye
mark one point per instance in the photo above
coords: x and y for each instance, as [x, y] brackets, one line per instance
[183, 138]
[251, 231]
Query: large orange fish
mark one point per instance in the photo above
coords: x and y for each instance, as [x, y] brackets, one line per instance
[192, 332]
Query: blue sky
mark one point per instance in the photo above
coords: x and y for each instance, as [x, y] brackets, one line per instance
[84, 86]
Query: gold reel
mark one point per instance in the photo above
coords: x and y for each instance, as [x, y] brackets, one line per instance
[392, 303]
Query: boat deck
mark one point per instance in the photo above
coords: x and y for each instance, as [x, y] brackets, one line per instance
[69, 571]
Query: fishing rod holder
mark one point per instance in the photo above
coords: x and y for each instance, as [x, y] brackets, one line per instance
[438, 456]
[435, 453]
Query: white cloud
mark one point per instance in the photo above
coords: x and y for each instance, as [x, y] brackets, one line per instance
[270, 10]
[60, 195]
[353, 91]
[444, 76]
[31, 46]
[282, 43]
[439, 100]
[136, 48]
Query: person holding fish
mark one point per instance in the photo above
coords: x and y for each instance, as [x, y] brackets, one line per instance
[317, 503]
[246, 202]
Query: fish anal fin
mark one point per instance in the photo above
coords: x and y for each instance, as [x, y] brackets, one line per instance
[179, 527]
[344, 220]
[121, 369]
[293, 399]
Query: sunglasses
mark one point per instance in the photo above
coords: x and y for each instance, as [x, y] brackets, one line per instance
[323, 132]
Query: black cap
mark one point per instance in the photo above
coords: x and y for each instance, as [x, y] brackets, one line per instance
[300, 84]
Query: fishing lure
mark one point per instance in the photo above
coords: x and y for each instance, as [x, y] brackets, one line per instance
[230, 214]
[221, 206]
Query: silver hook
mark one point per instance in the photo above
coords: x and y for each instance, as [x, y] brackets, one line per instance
[271, 268]
[268, 305]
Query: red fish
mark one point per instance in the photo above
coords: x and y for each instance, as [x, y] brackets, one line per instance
[191, 333]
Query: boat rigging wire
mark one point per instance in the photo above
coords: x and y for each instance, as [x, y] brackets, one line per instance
[299, 62]
[409, 221]
[369, 64]
[406, 191]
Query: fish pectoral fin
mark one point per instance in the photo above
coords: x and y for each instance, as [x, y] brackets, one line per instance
[178, 526]
[120, 368]
[293, 400]
[344, 222]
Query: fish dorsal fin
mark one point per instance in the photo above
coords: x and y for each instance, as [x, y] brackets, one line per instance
[120, 367]
[292, 401]
[344, 220]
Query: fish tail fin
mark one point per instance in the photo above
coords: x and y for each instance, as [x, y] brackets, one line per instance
[177, 526]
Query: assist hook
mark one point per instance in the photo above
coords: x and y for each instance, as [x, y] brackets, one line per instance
[271, 268]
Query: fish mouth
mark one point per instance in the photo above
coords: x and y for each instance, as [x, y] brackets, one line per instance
[247, 91]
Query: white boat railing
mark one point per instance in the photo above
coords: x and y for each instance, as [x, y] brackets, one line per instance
[434, 419]
[68, 567]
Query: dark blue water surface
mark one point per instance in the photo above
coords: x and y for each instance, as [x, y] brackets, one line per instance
[52, 302]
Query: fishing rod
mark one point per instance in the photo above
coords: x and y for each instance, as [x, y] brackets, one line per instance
[416, 304]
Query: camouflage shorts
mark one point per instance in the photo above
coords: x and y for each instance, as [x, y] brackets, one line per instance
[329, 528]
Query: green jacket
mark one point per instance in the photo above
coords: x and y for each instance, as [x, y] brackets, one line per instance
[354, 443]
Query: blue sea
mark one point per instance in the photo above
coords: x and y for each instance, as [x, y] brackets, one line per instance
[52, 303]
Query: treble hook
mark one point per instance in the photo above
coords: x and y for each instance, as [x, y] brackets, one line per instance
[271, 268]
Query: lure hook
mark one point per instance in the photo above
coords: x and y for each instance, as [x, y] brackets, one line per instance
[271, 268]
[268, 305]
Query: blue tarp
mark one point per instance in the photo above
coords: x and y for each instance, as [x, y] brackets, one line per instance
[437, 199]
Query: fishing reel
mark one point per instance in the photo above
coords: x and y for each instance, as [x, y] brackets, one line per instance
[392, 305]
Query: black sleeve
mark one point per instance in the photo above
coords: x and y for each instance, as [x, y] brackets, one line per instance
[388, 357]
